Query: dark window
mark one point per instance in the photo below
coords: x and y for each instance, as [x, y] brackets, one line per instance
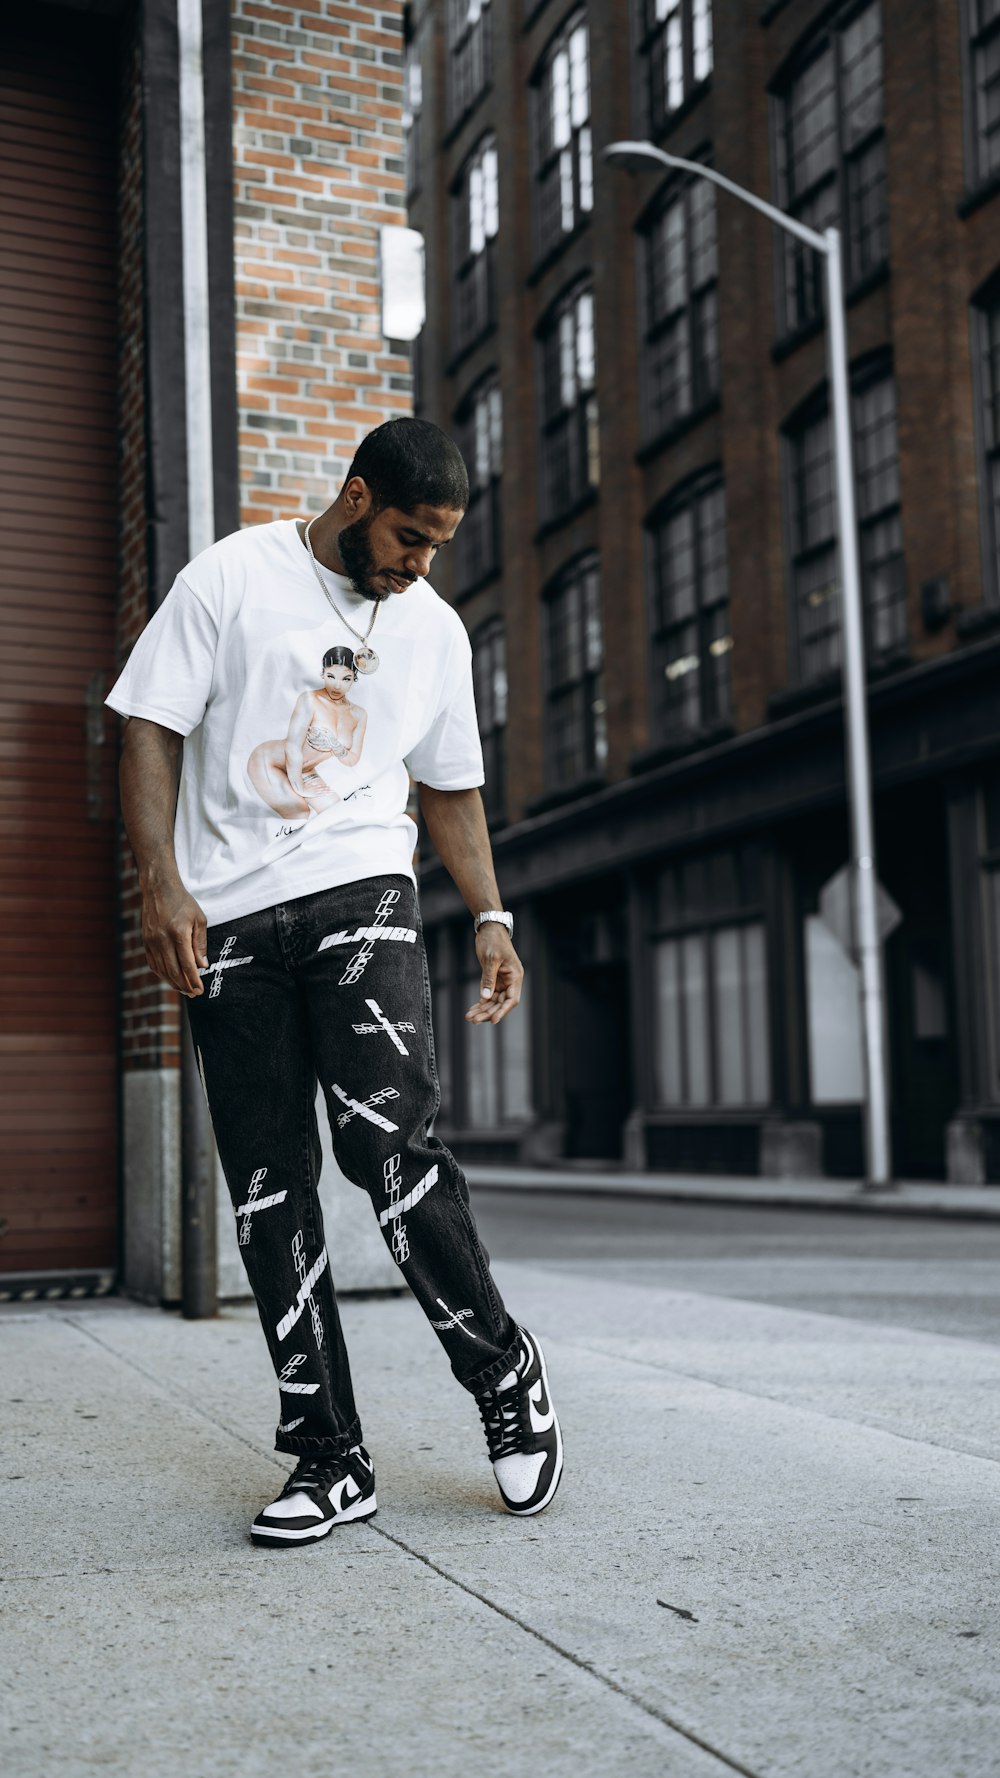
[709, 974]
[675, 47]
[577, 744]
[480, 439]
[681, 318]
[830, 156]
[813, 521]
[475, 220]
[564, 191]
[984, 44]
[489, 673]
[986, 327]
[569, 404]
[413, 101]
[470, 56]
[690, 619]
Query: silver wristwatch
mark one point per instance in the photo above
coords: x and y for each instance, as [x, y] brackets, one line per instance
[501, 919]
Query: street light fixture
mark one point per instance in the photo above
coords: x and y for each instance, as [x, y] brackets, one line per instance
[878, 1169]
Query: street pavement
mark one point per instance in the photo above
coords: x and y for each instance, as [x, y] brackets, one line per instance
[775, 1550]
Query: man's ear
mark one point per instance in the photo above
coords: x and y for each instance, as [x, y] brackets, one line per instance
[357, 497]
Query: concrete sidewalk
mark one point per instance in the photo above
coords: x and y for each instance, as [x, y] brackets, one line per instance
[976, 1203]
[775, 1552]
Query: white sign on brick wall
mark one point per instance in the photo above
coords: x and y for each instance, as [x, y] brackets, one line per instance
[401, 271]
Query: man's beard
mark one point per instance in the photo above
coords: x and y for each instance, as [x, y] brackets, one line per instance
[355, 552]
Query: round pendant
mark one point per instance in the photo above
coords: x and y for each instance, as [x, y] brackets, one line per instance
[366, 660]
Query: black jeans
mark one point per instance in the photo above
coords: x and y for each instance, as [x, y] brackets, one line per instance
[335, 985]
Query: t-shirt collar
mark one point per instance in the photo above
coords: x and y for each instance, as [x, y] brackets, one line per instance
[340, 587]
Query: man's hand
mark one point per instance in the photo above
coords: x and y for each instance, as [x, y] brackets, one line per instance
[503, 974]
[174, 932]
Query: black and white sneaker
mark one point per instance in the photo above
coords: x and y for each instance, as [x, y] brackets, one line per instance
[522, 1432]
[320, 1492]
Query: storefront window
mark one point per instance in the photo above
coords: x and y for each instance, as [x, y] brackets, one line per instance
[710, 1000]
[835, 1037]
[497, 1063]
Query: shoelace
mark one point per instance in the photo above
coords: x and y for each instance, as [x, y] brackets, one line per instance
[504, 1414]
[314, 1475]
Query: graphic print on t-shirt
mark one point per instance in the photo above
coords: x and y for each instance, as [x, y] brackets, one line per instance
[325, 723]
[235, 660]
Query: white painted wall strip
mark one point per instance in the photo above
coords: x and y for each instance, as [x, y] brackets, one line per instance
[194, 235]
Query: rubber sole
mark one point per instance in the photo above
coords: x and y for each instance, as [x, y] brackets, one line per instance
[277, 1539]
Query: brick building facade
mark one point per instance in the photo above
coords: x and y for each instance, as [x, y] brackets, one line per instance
[637, 368]
[301, 168]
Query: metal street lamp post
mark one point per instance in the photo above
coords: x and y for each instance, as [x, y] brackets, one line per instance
[878, 1166]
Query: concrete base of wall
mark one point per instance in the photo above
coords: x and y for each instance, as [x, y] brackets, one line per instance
[541, 1143]
[790, 1150]
[965, 1152]
[359, 1257]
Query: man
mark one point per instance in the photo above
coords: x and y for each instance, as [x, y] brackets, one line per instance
[296, 677]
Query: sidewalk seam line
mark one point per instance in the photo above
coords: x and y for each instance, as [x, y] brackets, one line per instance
[775, 1401]
[174, 1394]
[565, 1654]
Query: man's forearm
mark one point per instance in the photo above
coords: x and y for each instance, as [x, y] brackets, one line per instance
[457, 827]
[148, 778]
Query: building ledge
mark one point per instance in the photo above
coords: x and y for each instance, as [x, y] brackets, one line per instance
[977, 196]
[563, 518]
[671, 435]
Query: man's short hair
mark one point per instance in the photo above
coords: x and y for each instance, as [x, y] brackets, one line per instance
[408, 463]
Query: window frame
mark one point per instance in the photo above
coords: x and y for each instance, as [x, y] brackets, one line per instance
[547, 164]
[465, 43]
[590, 742]
[794, 260]
[469, 265]
[481, 494]
[814, 412]
[713, 713]
[686, 189]
[580, 421]
[977, 39]
[746, 911]
[490, 639]
[658, 118]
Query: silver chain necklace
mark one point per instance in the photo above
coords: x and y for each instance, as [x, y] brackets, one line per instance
[365, 658]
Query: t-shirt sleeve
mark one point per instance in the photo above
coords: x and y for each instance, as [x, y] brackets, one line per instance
[450, 755]
[168, 675]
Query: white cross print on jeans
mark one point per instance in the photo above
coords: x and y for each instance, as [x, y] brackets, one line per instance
[386, 1025]
[223, 961]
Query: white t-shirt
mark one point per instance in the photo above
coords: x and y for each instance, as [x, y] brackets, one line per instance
[295, 778]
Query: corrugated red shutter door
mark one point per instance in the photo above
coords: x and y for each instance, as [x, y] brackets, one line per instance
[58, 1050]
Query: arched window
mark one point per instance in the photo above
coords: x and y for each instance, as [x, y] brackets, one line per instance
[479, 432]
[812, 524]
[830, 157]
[680, 306]
[690, 633]
[475, 221]
[576, 723]
[568, 364]
[564, 165]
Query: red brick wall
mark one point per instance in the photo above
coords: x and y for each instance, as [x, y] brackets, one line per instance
[150, 1018]
[318, 146]
[317, 136]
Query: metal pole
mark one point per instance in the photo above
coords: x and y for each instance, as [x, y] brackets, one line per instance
[199, 1267]
[878, 1171]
